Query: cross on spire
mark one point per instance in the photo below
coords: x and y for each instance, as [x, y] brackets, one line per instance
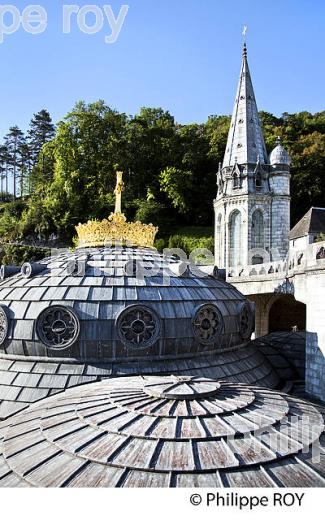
[244, 33]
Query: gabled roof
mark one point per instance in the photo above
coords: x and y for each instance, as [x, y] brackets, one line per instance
[245, 139]
[312, 223]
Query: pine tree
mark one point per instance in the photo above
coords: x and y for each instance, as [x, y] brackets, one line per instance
[41, 131]
[3, 171]
[25, 167]
[14, 142]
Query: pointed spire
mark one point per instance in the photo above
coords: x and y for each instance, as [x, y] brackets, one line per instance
[245, 138]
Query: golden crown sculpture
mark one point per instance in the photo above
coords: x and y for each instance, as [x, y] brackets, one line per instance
[116, 230]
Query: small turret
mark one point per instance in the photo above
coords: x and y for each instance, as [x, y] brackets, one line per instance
[279, 155]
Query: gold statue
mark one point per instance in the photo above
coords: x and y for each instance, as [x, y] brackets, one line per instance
[118, 192]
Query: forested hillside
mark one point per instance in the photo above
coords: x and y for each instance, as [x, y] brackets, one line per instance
[60, 177]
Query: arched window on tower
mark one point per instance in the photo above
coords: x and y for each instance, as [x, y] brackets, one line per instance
[235, 253]
[258, 230]
[236, 180]
[219, 242]
[258, 181]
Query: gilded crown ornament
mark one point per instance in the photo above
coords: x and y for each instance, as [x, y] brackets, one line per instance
[116, 230]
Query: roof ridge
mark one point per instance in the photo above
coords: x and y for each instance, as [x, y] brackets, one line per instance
[309, 223]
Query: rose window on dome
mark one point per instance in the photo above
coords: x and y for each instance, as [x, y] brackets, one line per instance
[3, 325]
[246, 321]
[208, 323]
[138, 327]
[58, 327]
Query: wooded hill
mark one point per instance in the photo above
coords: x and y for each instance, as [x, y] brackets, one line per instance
[65, 175]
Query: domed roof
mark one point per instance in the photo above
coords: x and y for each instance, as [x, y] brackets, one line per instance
[279, 155]
[79, 317]
[101, 312]
[119, 303]
[164, 432]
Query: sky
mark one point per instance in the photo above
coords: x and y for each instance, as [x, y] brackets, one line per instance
[181, 55]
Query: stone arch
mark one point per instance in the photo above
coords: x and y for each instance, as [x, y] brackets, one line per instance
[235, 238]
[284, 313]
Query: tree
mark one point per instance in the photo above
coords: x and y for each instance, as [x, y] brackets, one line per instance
[308, 179]
[177, 184]
[89, 144]
[41, 130]
[170, 169]
[15, 143]
[217, 128]
[4, 170]
[152, 145]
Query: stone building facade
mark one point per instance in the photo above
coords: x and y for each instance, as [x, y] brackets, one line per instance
[252, 206]
[252, 226]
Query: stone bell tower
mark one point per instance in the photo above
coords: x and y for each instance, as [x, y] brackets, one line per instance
[252, 206]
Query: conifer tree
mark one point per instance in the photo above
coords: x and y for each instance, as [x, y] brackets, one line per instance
[3, 171]
[41, 131]
[14, 141]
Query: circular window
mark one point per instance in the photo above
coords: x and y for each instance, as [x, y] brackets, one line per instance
[207, 323]
[4, 324]
[138, 327]
[58, 327]
[246, 321]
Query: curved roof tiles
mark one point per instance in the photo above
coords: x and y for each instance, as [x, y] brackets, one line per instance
[165, 432]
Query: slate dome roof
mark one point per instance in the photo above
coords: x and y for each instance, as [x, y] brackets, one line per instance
[76, 318]
[119, 303]
[279, 155]
[165, 432]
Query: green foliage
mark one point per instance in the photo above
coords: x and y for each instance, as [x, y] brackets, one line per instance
[320, 238]
[308, 179]
[149, 212]
[170, 169]
[11, 220]
[6, 197]
[18, 254]
[160, 244]
[216, 129]
[195, 231]
[9, 227]
[15, 208]
[189, 243]
[177, 184]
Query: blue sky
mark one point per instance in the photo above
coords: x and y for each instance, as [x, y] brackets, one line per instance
[182, 55]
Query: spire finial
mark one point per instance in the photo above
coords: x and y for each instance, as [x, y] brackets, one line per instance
[278, 140]
[244, 37]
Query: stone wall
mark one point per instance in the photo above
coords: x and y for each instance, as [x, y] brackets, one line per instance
[302, 276]
[315, 368]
